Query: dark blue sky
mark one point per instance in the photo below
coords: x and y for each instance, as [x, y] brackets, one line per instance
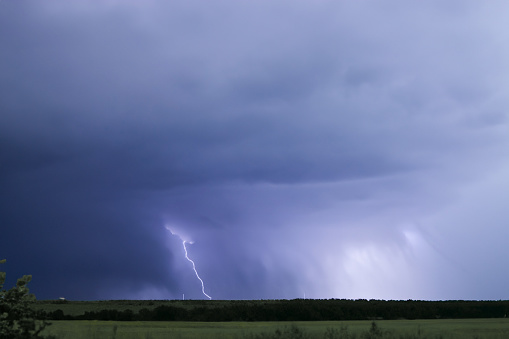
[331, 149]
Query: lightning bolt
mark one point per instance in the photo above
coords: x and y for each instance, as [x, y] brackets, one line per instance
[192, 262]
[195, 271]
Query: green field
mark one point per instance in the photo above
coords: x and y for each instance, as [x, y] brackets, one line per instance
[444, 328]
[440, 328]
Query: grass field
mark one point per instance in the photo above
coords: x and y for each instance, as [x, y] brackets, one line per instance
[440, 328]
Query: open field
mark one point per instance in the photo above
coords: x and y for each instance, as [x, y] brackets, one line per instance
[261, 319]
[440, 328]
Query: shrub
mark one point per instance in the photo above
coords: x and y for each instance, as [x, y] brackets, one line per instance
[17, 319]
[291, 332]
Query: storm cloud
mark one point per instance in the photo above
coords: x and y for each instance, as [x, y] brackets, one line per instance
[328, 149]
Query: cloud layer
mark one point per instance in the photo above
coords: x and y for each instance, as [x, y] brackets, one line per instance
[333, 149]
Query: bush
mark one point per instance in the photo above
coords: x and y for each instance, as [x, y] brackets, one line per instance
[291, 332]
[17, 319]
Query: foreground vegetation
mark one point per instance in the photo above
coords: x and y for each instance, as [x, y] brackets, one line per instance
[18, 320]
[385, 329]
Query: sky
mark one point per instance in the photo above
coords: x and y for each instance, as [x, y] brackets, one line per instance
[317, 149]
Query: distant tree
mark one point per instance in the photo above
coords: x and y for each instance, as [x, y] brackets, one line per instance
[17, 319]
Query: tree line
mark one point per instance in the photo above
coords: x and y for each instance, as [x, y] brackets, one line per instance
[301, 310]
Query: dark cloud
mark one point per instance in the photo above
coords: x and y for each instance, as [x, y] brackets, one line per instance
[303, 148]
